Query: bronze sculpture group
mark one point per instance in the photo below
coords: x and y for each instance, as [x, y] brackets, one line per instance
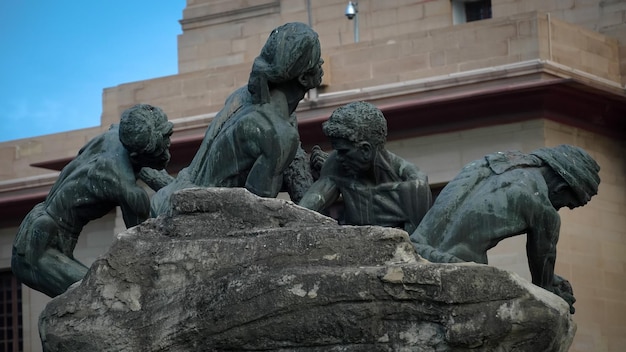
[253, 142]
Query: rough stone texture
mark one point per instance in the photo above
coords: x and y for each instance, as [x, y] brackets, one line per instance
[231, 271]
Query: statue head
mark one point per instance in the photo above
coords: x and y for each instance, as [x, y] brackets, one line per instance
[358, 122]
[145, 133]
[357, 132]
[575, 167]
[292, 51]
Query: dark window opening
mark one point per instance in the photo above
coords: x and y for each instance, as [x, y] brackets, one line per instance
[11, 336]
[477, 10]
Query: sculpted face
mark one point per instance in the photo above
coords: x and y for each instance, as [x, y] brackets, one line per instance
[313, 77]
[318, 74]
[560, 192]
[160, 156]
[564, 196]
[354, 158]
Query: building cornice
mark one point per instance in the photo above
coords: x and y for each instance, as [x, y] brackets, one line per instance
[228, 12]
[534, 77]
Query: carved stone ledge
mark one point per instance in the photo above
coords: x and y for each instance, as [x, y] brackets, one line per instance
[229, 11]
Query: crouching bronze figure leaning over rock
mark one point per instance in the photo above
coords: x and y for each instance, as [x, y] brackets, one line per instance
[102, 176]
[508, 194]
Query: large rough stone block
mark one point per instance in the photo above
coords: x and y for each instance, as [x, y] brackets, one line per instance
[231, 271]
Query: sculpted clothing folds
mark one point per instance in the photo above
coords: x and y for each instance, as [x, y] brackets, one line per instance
[499, 196]
[399, 197]
[241, 141]
[254, 138]
[489, 200]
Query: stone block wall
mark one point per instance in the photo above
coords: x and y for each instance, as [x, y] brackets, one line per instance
[434, 52]
[442, 156]
[478, 45]
[584, 50]
[182, 95]
[607, 17]
[404, 57]
[19, 154]
[221, 33]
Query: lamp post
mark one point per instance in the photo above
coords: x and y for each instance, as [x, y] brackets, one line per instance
[352, 12]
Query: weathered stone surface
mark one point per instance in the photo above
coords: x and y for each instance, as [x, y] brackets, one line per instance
[231, 271]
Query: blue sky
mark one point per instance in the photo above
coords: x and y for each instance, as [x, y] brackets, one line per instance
[58, 56]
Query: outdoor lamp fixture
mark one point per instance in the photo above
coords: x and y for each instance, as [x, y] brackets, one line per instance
[352, 12]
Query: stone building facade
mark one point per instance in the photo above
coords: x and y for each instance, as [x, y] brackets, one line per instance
[536, 73]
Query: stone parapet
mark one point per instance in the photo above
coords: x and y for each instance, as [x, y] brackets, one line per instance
[491, 46]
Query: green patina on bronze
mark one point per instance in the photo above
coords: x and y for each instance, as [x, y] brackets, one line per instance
[508, 194]
[377, 186]
[102, 176]
[253, 141]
